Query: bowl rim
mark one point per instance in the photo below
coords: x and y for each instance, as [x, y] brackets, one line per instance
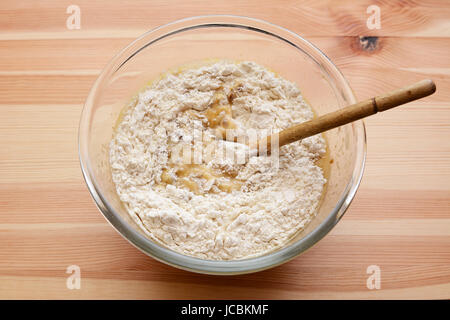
[218, 267]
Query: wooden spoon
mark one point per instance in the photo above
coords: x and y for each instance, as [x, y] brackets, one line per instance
[348, 114]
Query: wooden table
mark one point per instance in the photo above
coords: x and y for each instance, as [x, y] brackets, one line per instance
[399, 221]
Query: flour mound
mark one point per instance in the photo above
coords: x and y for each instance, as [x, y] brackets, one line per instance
[271, 203]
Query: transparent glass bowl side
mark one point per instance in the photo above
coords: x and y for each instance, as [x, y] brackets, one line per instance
[234, 38]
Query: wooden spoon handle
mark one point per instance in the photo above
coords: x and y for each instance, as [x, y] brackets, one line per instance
[351, 113]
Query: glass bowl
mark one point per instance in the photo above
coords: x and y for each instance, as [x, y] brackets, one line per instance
[232, 38]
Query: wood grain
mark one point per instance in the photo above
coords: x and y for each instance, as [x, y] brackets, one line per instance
[400, 219]
[348, 114]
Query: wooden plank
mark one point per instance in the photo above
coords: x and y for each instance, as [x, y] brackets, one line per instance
[70, 69]
[72, 56]
[310, 18]
[399, 220]
[24, 287]
[52, 154]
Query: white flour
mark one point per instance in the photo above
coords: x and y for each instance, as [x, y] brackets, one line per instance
[185, 207]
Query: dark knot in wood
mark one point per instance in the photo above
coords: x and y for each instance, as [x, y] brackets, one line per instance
[368, 44]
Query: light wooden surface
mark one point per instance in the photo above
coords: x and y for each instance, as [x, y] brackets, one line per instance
[351, 113]
[400, 219]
